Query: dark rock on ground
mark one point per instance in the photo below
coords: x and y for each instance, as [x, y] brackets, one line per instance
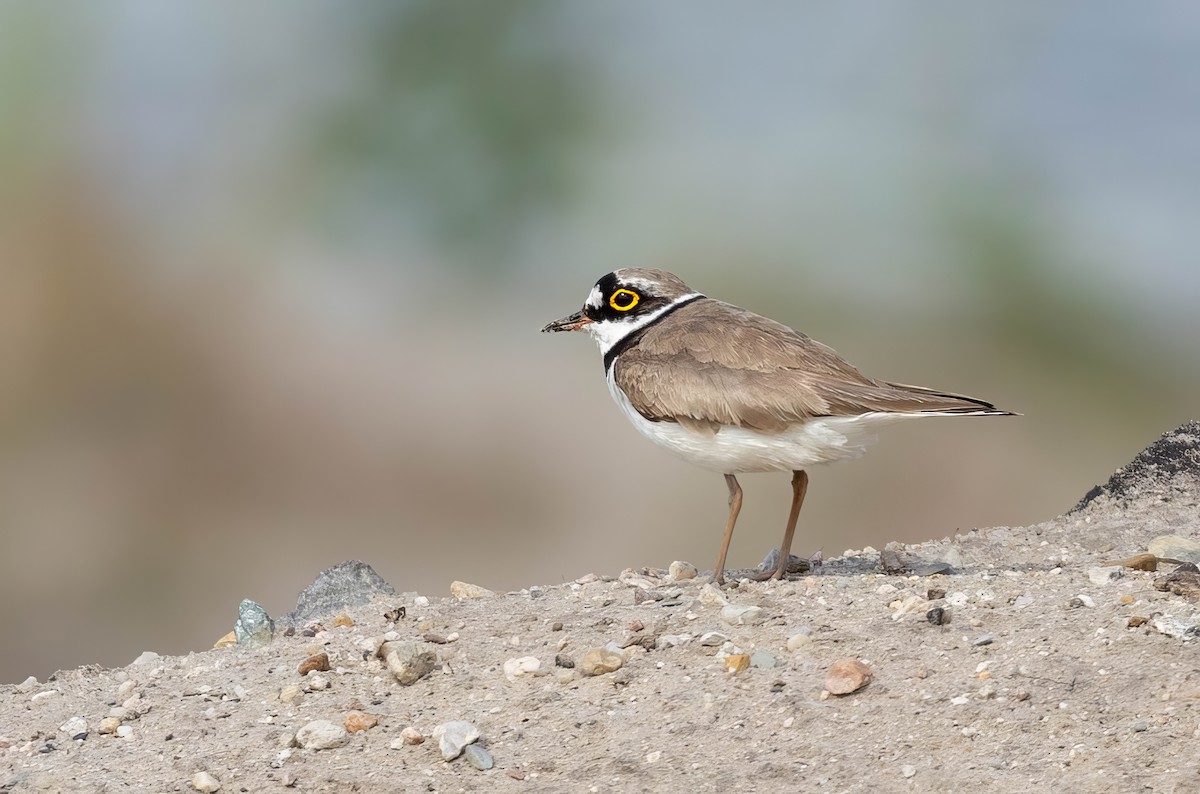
[344, 585]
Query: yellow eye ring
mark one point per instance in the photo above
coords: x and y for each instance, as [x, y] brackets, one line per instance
[627, 297]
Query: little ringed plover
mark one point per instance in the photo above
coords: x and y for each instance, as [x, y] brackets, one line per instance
[734, 392]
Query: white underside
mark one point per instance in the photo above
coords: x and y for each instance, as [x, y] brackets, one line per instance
[732, 450]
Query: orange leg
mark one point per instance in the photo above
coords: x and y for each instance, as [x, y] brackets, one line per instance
[735, 507]
[799, 488]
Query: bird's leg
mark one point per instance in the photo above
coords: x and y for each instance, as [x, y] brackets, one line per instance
[735, 507]
[799, 488]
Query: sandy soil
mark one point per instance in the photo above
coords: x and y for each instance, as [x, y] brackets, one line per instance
[1050, 669]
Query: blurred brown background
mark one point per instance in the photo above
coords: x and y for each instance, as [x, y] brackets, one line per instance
[271, 277]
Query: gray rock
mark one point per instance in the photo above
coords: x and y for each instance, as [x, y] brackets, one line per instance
[254, 627]
[762, 660]
[453, 737]
[1160, 471]
[771, 562]
[478, 757]
[344, 585]
[1175, 547]
[409, 662]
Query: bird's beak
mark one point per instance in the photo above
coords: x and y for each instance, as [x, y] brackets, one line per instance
[572, 322]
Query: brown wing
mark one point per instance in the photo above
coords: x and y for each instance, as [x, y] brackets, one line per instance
[717, 364]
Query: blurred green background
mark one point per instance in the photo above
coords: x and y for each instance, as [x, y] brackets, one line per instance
[272, 276]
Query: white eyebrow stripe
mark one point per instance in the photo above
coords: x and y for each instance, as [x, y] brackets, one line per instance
[594, 298]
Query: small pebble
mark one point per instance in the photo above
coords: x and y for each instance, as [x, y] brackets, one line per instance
[801, 638]
[934, 593]
[343, 620]
[108, 725]
[599, 661]
[762, 660]
[411, 735]
[124, 731]
[521, 667]
[710, 596]
[316, 683]
[478, 757]
[986, 639]
[1127, 599]
[321, 735]
[1140, 726]
[737, 615]
[680, 570]
[453, 737]
[713, 639]
[74, 726]
[202, 781]
[846, 676]
[938, 616]
[318, 662]
[736, 662]
[908, 770]
[360, 721]
[290, 694]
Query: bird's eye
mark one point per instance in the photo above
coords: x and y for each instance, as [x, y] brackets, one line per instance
[623, 300]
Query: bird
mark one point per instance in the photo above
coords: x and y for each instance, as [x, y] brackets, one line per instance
[735, 392]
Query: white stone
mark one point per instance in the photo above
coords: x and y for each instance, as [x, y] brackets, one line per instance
[125, 731]
[28, 685]
[908, 606]
[453, 737]
[421, 602]
[521, 667]
[908, 770]
[202, 781]
[710, 596]
[956, 599]
[1086, 600]
[321, 735]
[73, 727]
[800, 639]
[713, 638]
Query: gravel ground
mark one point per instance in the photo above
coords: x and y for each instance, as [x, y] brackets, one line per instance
[1032, 662]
